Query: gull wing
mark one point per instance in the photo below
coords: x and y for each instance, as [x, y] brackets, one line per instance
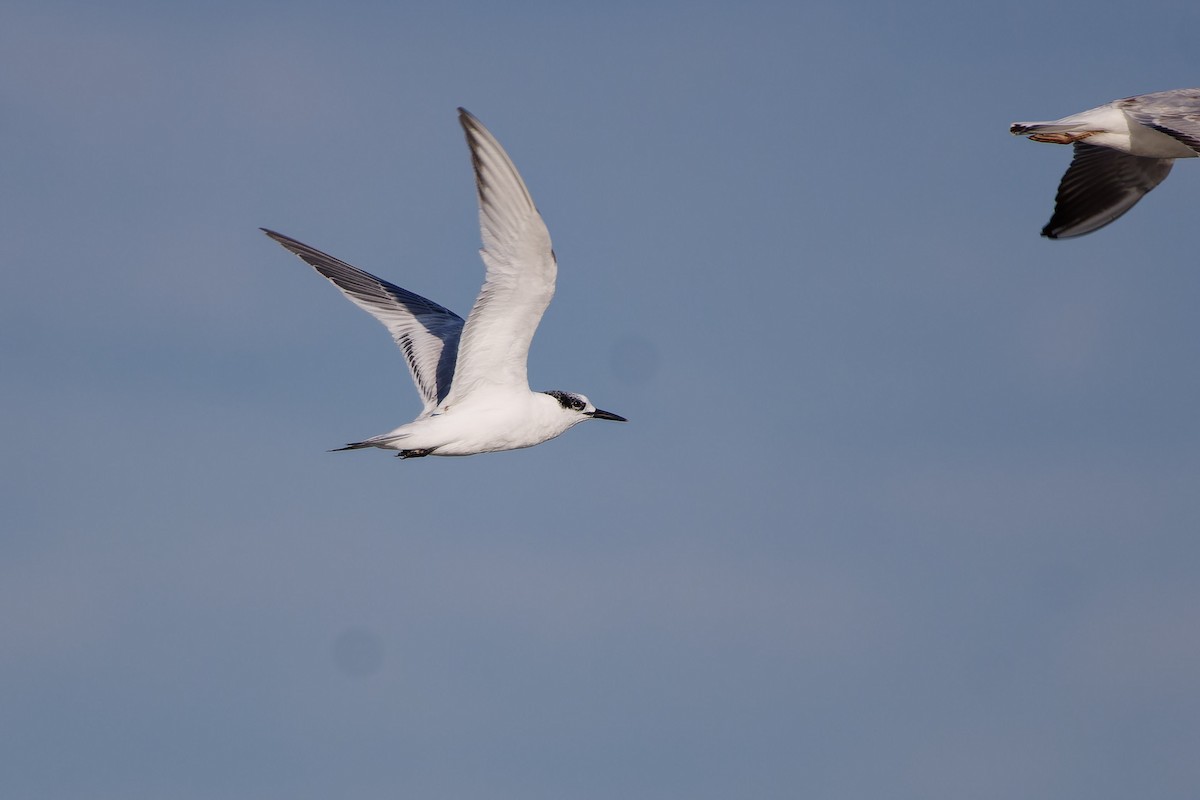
[1100, 185]
[520, 272]
[1175, 113]
[427, 333]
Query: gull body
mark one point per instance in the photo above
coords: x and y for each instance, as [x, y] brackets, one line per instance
[1122, 150]
[472, 374]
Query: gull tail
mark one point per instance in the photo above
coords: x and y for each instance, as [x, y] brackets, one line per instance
[1026, 128]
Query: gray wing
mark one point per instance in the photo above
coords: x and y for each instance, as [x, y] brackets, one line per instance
[1100, 185]
[426, 333]
[1175, 113]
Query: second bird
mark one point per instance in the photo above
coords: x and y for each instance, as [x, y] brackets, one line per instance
[1122, 150]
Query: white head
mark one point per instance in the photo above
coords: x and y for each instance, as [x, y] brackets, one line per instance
[578, 408]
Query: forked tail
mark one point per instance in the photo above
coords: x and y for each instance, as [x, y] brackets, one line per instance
[386, 441]
[353, 446]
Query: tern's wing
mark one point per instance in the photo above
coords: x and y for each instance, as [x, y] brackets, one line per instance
[1100, 185]
[1175, 113]
[426, 333]
[520, 271]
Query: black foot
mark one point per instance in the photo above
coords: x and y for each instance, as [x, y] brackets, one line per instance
[414, 453]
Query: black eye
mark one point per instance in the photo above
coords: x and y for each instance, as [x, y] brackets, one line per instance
[568, 401]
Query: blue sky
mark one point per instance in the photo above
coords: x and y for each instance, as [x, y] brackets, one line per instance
[907, 504]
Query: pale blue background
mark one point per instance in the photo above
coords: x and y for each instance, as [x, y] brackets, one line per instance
[907, 506]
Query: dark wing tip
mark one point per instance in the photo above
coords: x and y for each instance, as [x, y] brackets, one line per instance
[467, 119]
[278, 237]
[297, 247]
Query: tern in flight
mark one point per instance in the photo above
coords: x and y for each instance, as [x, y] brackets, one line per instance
[1122, 151]
[472, 375]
